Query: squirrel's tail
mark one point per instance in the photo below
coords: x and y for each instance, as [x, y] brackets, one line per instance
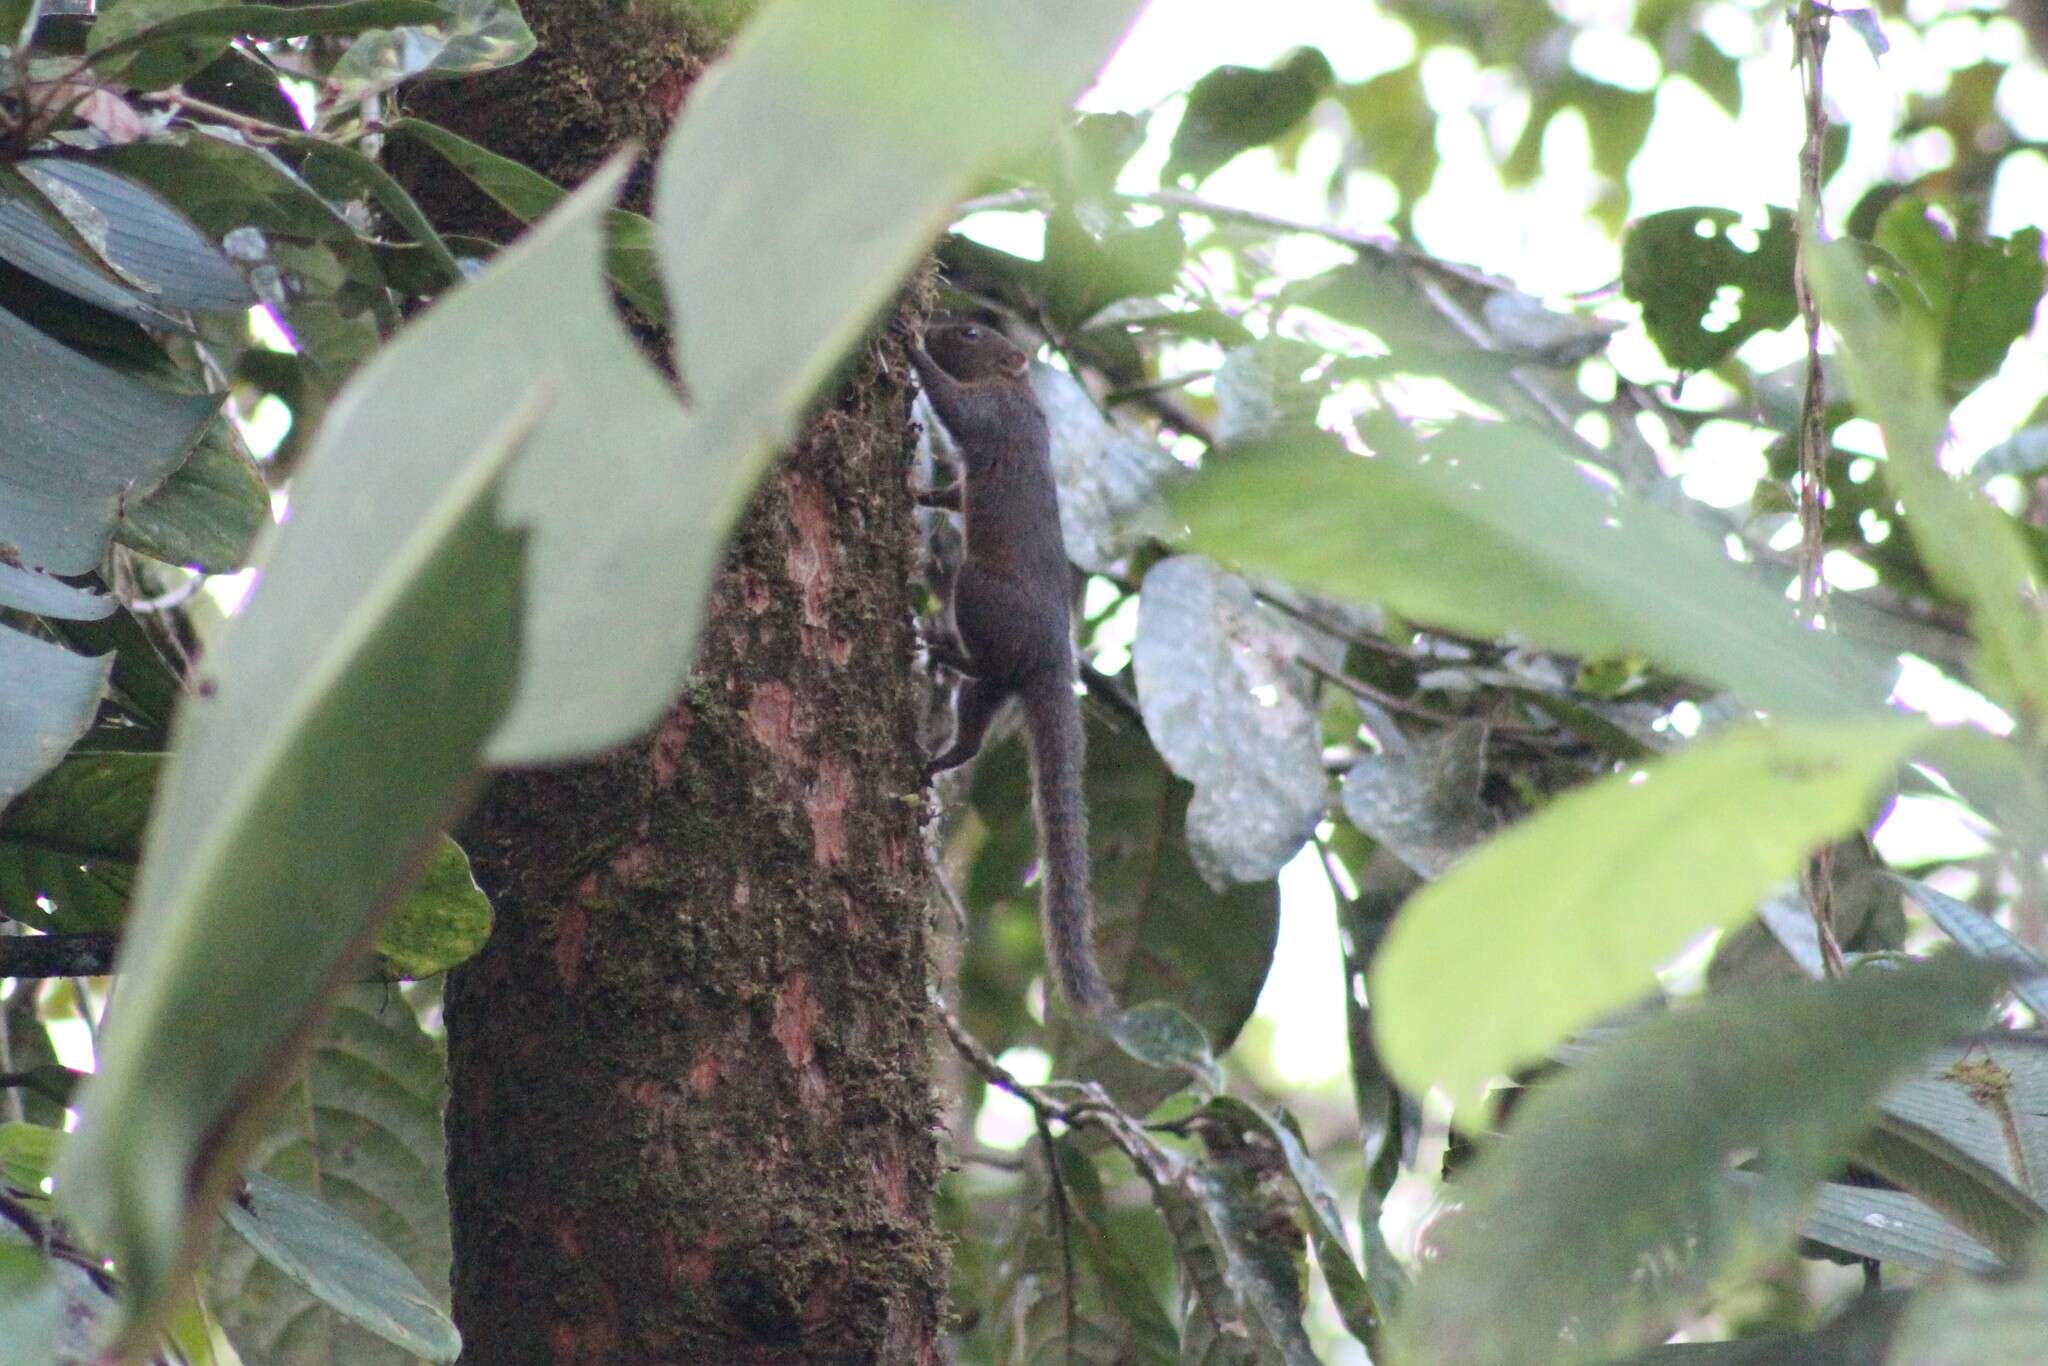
[1052, 717]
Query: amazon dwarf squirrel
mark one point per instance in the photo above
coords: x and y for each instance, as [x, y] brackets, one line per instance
[1009, 607]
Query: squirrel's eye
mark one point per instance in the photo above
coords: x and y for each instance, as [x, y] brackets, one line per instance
[970, 333]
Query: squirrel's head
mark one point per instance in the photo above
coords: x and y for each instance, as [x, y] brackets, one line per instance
[972, 351]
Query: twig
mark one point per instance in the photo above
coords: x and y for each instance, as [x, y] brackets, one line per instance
[1810, 37]
[88, 954]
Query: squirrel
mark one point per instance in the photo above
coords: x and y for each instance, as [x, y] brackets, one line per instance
[1010, 613]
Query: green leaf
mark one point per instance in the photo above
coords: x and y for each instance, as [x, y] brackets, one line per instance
[1396, 129]
[322, 691]
[1257, 1252]
[74, 839]
[26, 590]
[1491, 531]
[362, 1128]
[48, 696]
[135, 24]
[1117, 1318]
[332, 297]
[141, 234]
[1973, 296]
[1892, 1226]
[1965, 1321]
[333, 1257]
[1965, 1134]
[1982, 937]
[466, 36]
[1235, 108]
[1707, 282]
[1611, 1203]
[1316, 1208]
[527, 194]
[1231, 710]
[36, 239]
[207, 514]
[1970, 547]
[1567, 915]
[444, 920]
[81, 440]
[341, 172]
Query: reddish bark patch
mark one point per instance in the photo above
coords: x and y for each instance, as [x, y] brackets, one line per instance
[796, 1020]
[572, 928]
[670, 742]
[826, 803]
[706, 1072]
[592, 1338]
[823, 1302]
[771, 719]
[809, 561]
[892, 1179]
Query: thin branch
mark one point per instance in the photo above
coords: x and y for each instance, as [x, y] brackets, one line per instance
[1810, 37]
[89, 954]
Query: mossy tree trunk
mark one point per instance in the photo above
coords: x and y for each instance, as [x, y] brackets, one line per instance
[691, 1113]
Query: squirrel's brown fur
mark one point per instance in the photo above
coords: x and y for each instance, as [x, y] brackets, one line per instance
[1010, 610]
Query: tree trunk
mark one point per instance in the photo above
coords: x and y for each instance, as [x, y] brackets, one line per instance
[691, 1114]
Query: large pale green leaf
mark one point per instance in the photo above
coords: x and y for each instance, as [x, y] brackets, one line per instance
[361, 1127]
[342, 724]
[1566, 916]
[1969, 546]
[1489, 529]
[1611, 1202]
[47, 699]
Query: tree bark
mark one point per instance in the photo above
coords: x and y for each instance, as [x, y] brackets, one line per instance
[691, 1115]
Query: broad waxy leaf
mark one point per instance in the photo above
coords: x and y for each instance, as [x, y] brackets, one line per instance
[1566, 915]
[1563, 1253]
[47, 699]
[467, 36]
[141, 234]
[26, 590]
[41, 242]
[1228, 707]
[81, 440]
[1491, 531]
[1423, 805]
